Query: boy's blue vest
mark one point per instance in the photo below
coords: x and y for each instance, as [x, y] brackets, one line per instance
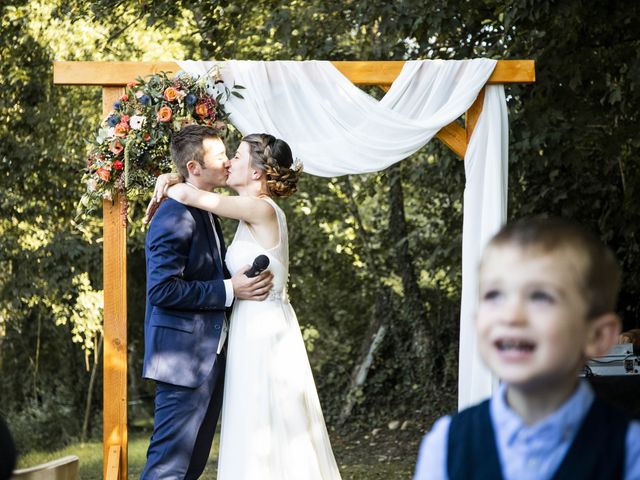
[597, 452]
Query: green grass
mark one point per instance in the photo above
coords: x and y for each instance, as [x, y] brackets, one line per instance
[361, 464]
[90, 455]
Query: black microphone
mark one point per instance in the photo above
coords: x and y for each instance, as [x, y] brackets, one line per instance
[259, 265]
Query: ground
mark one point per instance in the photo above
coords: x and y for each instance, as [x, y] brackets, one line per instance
[381, 454]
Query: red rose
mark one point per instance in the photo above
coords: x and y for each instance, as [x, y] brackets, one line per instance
[118, 165]
[146, 137]
[124, 97]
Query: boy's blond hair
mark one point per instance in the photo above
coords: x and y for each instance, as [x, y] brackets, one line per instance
[601, 275]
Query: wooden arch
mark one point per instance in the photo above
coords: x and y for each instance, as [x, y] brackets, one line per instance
[112, 77]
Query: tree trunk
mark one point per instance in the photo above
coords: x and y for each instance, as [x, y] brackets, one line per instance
[378, 322]
[371, 344]
[92, 381]
[413, 307]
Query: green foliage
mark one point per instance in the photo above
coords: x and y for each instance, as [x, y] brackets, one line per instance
[40, 253]
[574, 145]
[54, 418]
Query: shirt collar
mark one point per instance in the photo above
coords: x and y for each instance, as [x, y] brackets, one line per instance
[555, 428]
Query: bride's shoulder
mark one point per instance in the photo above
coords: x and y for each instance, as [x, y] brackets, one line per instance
[270, 207]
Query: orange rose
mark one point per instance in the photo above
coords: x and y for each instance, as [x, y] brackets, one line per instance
[116, 148]
[104, 174]
[171, 94]
[120, 130]
[202, 110]
[146, 137]
[164, 114]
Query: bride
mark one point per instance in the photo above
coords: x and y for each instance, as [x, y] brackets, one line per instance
[272, 423]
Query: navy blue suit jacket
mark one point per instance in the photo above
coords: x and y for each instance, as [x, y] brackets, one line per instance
[185, 296]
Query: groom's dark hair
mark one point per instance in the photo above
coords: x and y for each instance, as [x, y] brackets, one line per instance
[186, 145]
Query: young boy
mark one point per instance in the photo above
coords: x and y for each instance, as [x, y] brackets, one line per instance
[548, 292]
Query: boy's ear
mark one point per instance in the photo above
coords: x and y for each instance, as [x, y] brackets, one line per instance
[602, 335]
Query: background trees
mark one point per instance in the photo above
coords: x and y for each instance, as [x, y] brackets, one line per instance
[370, 255]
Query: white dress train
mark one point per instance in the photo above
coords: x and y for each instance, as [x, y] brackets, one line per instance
[272, 422]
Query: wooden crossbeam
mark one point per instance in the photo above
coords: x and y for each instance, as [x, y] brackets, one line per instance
[381, 73]
[361, 73]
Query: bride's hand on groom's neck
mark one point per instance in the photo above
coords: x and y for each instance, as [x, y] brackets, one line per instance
[163, 182]
[151, 210]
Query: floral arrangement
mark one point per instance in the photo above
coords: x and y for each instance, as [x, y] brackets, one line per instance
[131, 147]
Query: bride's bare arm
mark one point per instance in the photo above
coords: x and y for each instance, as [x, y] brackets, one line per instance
[250, 209]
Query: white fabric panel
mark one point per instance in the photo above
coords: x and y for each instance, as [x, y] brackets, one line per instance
[336, 129]
[485, 211]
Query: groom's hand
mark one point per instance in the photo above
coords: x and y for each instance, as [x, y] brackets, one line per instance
[255, 288]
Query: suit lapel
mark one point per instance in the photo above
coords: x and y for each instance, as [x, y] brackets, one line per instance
[223, 247]
[213, 247]
[216, 222]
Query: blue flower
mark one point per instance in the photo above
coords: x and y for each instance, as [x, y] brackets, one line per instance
[145, 99]
[190, 99]
[113, 120]
[117, 105]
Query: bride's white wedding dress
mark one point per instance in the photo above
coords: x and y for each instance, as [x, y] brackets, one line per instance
[272, 423]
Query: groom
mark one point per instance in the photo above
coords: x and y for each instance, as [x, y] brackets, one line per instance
[188, 292]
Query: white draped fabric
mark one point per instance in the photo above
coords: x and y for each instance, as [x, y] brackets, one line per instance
[336, 129]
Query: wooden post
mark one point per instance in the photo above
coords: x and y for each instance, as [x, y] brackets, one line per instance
[115, 326]
[112, 468]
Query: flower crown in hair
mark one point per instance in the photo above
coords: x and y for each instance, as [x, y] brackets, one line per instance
[297, 165]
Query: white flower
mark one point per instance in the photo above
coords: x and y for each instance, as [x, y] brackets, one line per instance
[92, 184]
[103, 134]
[137, 121]
[297, 165]
[139, 93]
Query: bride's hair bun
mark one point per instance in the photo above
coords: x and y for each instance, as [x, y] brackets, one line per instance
[274, 157]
